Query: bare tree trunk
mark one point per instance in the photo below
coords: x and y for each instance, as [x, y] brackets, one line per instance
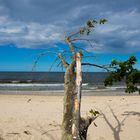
[73, 126]
[77, 100]
[69, 93]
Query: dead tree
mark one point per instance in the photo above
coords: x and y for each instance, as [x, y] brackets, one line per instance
[74, 127]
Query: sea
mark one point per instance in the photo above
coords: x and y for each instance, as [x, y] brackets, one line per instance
[46, 81]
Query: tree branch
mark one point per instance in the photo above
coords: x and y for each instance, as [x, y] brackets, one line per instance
[67, 40]
[89, 120]
[39, 56]
[74, 34]
[80, 48]
[83, 39]
[53, 64]
[99, 66]
[65, 64]
[84, 125]
[48, 52]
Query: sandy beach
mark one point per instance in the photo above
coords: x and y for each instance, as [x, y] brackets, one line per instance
[34, 117]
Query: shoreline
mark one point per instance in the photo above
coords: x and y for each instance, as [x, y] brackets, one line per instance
[61, 93]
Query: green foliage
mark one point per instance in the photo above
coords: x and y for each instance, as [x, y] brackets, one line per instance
[85, 30]
[93, 112]
[89, 25]
[102, 21]
[124, 71]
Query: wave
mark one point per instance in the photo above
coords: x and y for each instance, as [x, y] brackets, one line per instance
[33, 86]
[28, 85]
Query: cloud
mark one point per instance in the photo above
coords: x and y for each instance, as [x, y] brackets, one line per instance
[39, 23]
[28, 35]
[120, 35]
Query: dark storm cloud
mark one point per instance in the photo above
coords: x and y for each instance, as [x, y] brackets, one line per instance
[53, 10]
[34, 23]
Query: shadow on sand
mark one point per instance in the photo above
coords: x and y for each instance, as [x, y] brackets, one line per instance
[115, 129]
[134, 113]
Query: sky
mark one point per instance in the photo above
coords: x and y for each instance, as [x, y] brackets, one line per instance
[31, 27]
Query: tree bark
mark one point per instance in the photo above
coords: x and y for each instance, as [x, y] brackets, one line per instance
[73, 126]
[77, 100]
[69, 93]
